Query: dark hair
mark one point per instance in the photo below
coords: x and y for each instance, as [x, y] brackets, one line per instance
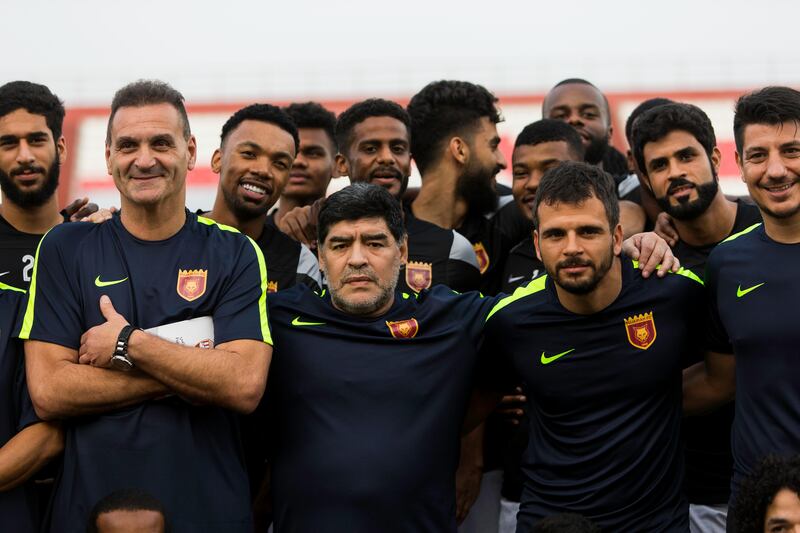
[549, 130]
[638, 110]
[580, 81]
[357, 201]
[126, 500]
[662, 120]
[361, 111]
[262, 113]
[770, 105]
[141, 93]
[443, 109]
[565, 523]
[574, 182]
[758, 490]
[615, 162]
[35, 99]
[313, 115]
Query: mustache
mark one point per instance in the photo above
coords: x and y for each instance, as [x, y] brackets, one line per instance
[359, 272]
[573, 262]
[677, 183]
[396, 174]
[26, 168]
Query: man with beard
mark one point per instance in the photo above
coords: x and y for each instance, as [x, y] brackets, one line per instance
[752, 285]
[457, 150]
[258, 145]
[315, 163]
[374, 147]
[604, 389]
[675, 147]
[31, 152]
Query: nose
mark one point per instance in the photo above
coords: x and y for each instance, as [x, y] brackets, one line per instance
[572, 244]
[300, 161]
[261, 166]
[144, 158]
[574, 119]
[501, 159]
[675, 169]
[358, 256]
[533, 182]
[386, 156]
[775, 166]
[24, 153]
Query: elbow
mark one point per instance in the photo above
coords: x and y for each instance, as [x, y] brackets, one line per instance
[247, 395]
[45, 405]
[54, 443]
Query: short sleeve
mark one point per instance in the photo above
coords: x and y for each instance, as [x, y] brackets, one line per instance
[51, 312]
[717, 339]
[26, 415]
[242, 311]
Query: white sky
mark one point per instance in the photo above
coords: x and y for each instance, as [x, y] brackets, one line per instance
[234, 49]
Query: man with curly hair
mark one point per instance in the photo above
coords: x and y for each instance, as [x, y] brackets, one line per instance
[769, 500]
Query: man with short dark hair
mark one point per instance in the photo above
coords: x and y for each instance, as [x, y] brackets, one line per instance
[370, 385]
[374, 140]
[32, 150]
[769, 499]
[752, 281]
[256, 153]
[128, 511]
[675, 149]
[154, 409]
[604, 387]
[315, 164]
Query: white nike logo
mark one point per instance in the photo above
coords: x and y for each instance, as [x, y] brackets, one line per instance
[512, 279]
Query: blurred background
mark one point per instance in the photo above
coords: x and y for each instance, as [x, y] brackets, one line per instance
[223, 55]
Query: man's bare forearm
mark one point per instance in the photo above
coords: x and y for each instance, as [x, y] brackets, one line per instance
[27, 452]
[224, 376]
[702, 392]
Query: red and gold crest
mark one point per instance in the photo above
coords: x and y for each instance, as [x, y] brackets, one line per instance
[418, 275]
[191, 284]
[272, 286]
[404, 329]
[483, 257]
[641, 330]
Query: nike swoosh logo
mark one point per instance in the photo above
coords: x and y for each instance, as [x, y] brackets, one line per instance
[740, 292]
[298, 322]
[100, 283]
[547, 360]
[512, 279]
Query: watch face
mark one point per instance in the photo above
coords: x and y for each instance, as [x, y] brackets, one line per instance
[121, 363]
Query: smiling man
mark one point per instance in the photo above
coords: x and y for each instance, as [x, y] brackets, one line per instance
[752, 282]
[152, 409]
[604, 389]
[257, 149]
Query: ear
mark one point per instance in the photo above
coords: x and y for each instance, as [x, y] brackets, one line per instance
[740, 164]
[61, 149]
[108, 160]
[716, 159]
[192, 147]
[321, 259]
[342, 167]
[631, 161]
[618, 238]
[459, 150]
[404, 250]
[216, 161]
[536, 244]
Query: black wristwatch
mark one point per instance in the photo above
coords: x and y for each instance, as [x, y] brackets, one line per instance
[121, 360]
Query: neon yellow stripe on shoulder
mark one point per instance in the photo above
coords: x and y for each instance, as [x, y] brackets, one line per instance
[210, 222]
[681, 272]
[746, 230]
[262, 268]
[4, 287]
[533, 287]
[27, 320]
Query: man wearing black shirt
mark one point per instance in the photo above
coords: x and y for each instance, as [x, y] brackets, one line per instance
[675, 148]
[149, 409]
[258, 144]
[374, 147]
[600, 350]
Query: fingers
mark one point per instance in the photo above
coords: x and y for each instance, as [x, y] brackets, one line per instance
[107, 308]
[84, 212]
[100, 216]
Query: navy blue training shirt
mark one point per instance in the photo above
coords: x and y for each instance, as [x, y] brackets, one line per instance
[753, 291]
[369, 410]
[18, 509]
[187, 456]
[604, 399]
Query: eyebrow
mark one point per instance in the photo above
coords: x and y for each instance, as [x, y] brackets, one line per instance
[257, 147]
[374, 237]
[31, 135]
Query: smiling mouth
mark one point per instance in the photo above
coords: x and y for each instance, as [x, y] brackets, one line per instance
[780, 188]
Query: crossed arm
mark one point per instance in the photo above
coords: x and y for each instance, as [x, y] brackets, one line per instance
[64, 382]
[710, 384]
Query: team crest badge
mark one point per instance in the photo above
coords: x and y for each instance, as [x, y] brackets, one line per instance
[272, 286]
[191, 284]
[483, 257]
[641, 330]
[418, 275]
[404, 329]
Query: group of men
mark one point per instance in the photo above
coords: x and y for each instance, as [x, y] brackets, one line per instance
[399, 398]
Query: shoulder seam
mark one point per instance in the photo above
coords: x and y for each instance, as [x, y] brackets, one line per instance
[739, 234]
[209, 222]
[529, 289]
[6, 287]
[685, 272]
